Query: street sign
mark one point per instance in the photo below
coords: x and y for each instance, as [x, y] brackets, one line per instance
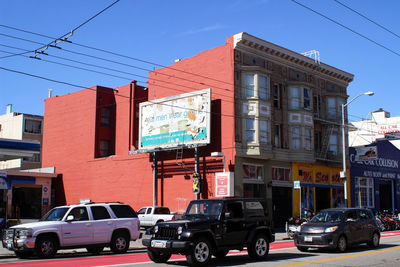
[296, 184]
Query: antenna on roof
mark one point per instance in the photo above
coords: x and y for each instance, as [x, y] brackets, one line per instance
[314, 54]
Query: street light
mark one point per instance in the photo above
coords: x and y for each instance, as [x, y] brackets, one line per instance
[343, 174]
[218, 154]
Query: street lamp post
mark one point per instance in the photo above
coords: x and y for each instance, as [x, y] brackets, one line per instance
[343, 174]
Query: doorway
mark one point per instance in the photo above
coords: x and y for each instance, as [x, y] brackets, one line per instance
[282, 205]
[26, 202]
[385, 197]
[323, 198]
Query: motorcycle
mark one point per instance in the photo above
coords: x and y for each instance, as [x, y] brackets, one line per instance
[293, 223]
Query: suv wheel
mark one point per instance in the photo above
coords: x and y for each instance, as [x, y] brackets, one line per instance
[342, 244]
[94, 250]
[46, 247]
[374, 242]
[158, 256]
[200, 253]
[119, 242]
[259, 247]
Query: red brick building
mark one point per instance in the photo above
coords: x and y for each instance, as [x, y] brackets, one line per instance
[269, 110]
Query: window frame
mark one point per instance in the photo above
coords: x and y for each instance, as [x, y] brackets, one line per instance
[253, 90]
[253, 130]
[368, 189]
[295, 138]
[256, 168]
[26, 120]
[266, 131]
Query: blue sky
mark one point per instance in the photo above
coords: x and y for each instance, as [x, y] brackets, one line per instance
[160, 31]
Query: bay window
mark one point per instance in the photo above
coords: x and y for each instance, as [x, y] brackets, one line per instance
[296, 141]
[256, 86]
[264, 131]
[250, 130]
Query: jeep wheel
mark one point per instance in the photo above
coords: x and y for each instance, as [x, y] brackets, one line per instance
[46, 246]
[259, 247]
[200, 253]
[158, 256]
[94, 250]
[23, 254]
[119, 242]
[221, 253]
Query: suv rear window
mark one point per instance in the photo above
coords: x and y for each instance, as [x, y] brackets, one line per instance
[123, 211]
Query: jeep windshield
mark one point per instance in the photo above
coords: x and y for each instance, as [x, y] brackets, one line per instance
[55, 214]
[200, 208]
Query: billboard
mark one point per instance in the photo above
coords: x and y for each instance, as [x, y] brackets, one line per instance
[178, 120]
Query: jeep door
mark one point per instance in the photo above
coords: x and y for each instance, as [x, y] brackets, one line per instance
[234, 224]
[102, 224]
[78, 231]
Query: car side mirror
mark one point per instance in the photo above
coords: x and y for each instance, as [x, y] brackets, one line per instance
[228, 215]
[350, 220]
[70, 218]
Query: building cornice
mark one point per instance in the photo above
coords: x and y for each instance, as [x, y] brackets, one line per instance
[245, 40]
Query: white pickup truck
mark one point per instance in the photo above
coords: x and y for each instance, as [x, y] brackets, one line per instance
[151, 215]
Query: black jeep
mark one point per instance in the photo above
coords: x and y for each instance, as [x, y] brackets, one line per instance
[213, 227]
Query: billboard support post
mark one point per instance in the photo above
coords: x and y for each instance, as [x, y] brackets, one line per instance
[196, 169]
[155, 168]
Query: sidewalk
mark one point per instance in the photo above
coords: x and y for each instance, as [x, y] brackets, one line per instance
[134, 245]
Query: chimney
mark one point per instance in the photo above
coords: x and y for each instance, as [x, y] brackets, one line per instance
[50, 93]
[9, 109]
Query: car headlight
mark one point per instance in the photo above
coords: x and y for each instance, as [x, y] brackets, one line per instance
[179, 230]
[156, 229]
[24, 233]
[331, 229]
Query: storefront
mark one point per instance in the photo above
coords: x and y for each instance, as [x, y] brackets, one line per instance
[320, 187]
[375, 176]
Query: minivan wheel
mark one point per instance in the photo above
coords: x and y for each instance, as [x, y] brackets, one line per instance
[200, 253]
[374, 242]
[259, 247]
[46, 246]
[342, 244]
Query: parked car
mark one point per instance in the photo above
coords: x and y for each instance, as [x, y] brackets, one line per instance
[338, 228]
[149, 216]
[213, 227]
[89, 225]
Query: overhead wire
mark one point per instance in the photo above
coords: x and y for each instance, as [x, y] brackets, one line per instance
[347, 28]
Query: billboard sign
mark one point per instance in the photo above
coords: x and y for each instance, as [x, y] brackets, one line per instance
[366, 153]
[178, 120]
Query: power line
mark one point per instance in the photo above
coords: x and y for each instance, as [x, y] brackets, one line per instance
[64, 38]
[347, 28]
[365, 17]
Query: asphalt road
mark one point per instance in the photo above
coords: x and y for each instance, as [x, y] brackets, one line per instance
[282, 253]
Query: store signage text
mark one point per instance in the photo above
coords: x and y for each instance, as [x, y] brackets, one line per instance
[380, 174]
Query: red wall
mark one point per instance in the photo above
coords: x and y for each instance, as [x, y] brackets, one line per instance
[70, 134]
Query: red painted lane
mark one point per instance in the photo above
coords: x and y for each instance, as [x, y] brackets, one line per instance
[137, 257]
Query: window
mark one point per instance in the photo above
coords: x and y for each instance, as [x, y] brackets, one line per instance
[306, 98]
[294, 98]
[105, 119]
[264, 131]
[249, 85]
[141, 211]
[80, 214]
[337, 197]
[333, 144]
[276, 93]
[123, 211]
[277, 136]
[33, 126]
[250, 130]
[307, 198]
[252, 172]
[100, 213]
[149, 211]
[161, 210]
[334, 108]
[364, 189]
[281, 174]
[263, 87]
[317, 102]
[296, 138]
[307, 138]
[34, 158]
[104, 148]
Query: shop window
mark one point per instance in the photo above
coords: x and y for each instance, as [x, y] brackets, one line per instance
[337, 197]
[364, 189]
[281, 174]
[33, 126]
[307, 198]
[252, 172]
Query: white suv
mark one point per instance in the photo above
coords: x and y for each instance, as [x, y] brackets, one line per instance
[90, 225]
